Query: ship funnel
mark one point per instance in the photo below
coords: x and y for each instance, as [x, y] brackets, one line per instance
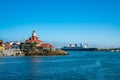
[70, 45]
[75, 45]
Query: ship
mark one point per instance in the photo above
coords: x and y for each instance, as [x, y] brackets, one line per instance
[75, 47]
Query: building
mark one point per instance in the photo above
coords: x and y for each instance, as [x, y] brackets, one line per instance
[1, 42]
[12, 45]
[8, 45]
[46, 46]
[11, 49]
[15, 45]
[34, 38]
[39, 43]
[1, 45]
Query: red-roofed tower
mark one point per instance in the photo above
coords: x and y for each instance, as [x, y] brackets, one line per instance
[33, 38]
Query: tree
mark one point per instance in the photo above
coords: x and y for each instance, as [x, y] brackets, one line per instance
[33, 46]
[22, 45]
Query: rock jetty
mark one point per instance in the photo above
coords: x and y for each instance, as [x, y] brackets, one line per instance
[45, 53]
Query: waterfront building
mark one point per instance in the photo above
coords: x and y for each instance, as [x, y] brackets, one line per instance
[46, 46]
[8, 45]
[15, 45]
[12, 45]
[40, 45]
[34, 38]
[1, 42]
[1, 45]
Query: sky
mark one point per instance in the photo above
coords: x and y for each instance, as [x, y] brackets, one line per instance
[69, 21]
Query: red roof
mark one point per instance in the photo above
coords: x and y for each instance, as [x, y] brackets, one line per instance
[47, 45]
[33, 39]
[8, 45]
[1, 41]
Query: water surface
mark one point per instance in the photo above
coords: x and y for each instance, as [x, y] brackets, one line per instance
[75, 66]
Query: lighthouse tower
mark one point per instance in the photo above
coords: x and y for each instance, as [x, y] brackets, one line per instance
[34, 33]
[33, 38]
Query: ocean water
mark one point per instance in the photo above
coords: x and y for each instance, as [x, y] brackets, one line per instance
[75, 66]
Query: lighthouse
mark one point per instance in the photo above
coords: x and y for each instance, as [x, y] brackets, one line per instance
[33, 38]
[40, 44]
[34, 33]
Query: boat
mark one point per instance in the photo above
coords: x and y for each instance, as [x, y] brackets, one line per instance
[78, 48]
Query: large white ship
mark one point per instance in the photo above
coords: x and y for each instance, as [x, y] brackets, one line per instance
[75, 47]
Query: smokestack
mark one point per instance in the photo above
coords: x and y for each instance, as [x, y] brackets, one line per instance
[70, 45]
[75, 45]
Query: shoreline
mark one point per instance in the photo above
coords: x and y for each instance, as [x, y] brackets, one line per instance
[48, 53]
[37, 53]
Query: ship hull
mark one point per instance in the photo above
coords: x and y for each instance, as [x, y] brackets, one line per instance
[79, 49]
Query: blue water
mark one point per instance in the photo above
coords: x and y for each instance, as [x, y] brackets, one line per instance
[75, 66]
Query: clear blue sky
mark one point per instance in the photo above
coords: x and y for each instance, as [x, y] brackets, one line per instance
[91, 21]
